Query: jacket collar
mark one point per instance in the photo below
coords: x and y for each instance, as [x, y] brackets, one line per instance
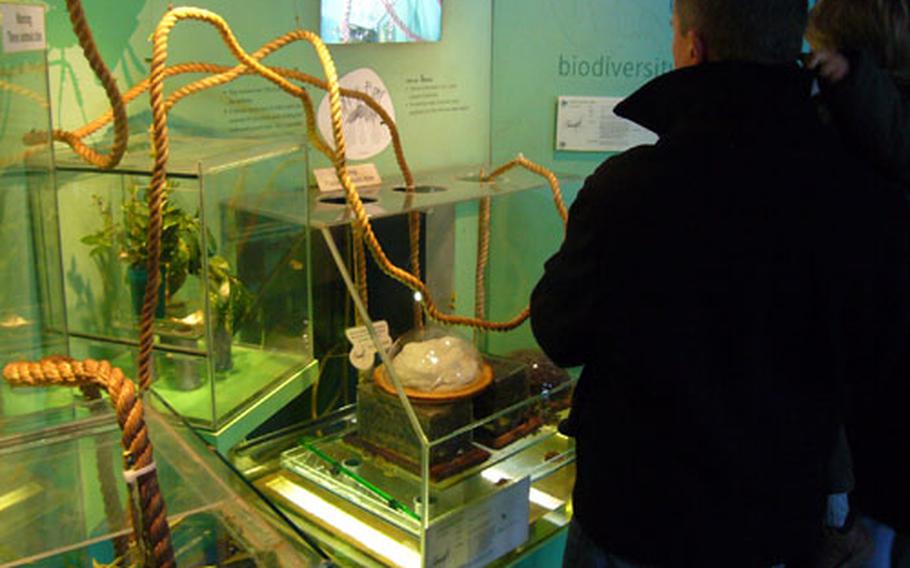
[717, 90]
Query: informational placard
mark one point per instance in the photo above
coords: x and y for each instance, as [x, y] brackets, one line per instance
[363, 350]
[363, 176]
[587, 124]
[365, 133]
[481, 533]
[22, 27]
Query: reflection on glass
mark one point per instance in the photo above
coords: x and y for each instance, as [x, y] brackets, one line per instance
[381, 21]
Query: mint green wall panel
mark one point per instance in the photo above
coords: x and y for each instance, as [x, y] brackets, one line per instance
[544, 49]
[455, 132]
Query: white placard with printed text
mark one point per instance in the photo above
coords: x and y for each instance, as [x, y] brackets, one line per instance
[22, 27]
[363, 350]
[587, 124]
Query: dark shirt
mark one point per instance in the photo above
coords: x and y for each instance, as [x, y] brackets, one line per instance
[706, 285]
[872, 113]
[870, 110]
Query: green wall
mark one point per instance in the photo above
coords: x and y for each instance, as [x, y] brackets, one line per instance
[460, 63]
[542, 50]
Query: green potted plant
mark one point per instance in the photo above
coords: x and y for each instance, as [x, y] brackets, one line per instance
[181, 249]
[181, 256]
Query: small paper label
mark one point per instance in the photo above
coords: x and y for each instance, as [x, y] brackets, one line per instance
[587, 124]
[481, 533]
[363, 175]
[363, 350]
[22, 27]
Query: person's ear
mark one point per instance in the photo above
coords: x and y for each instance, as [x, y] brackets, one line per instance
[696, 47]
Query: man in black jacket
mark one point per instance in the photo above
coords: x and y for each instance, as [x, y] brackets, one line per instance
[718, 286]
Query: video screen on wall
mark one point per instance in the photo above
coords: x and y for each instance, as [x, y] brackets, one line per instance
[381, 21]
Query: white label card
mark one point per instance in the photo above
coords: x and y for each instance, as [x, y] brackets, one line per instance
[481, 533]
[587, 124]
[22, 27]
[363, 350]
[363, 175]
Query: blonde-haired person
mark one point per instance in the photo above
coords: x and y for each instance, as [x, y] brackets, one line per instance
[861, 53]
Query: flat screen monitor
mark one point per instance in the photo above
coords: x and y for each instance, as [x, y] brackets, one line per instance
[381, 21]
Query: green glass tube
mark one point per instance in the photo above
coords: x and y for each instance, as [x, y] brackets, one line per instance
[390, 500]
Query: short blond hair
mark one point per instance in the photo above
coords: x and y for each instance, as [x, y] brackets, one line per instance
[881, 27]
[761, 31]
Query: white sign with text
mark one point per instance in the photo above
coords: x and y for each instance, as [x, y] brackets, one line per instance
[481, 533]
[22, 27]
[363, 176]
[587, 124]
[363, 350]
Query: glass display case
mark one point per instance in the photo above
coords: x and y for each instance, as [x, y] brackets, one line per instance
[442, 447]
[233, 340]
[64, 501]
[32, 314]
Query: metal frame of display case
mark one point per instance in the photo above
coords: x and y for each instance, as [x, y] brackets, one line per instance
[366, 506]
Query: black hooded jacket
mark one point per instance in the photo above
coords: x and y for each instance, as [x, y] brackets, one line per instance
[718, 287]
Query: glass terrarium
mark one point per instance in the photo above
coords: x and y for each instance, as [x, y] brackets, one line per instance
[426, 444]
[233, 341]
[32, 315]
[64, 500]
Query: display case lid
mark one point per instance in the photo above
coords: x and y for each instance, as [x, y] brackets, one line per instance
[190, 156]
[433, 189]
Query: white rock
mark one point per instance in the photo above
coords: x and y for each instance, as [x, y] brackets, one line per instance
[437, 365]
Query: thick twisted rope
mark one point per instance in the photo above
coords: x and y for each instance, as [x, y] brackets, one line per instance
[159, 128]
[223, 75]
[229, 74]
[121, 132]
[62, 371]
[76, 136]
[483, 257]
[360, 269]
[23, 92]
[319, 144]
[414, 243]
[552, 180]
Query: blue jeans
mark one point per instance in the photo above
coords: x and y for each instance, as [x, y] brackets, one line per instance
[838, 510]
[582, 552]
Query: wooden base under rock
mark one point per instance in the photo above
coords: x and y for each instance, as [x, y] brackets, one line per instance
[383, 428]
[468, 457]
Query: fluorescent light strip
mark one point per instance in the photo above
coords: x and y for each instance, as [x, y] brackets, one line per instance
[346, 524]
[545, 500]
